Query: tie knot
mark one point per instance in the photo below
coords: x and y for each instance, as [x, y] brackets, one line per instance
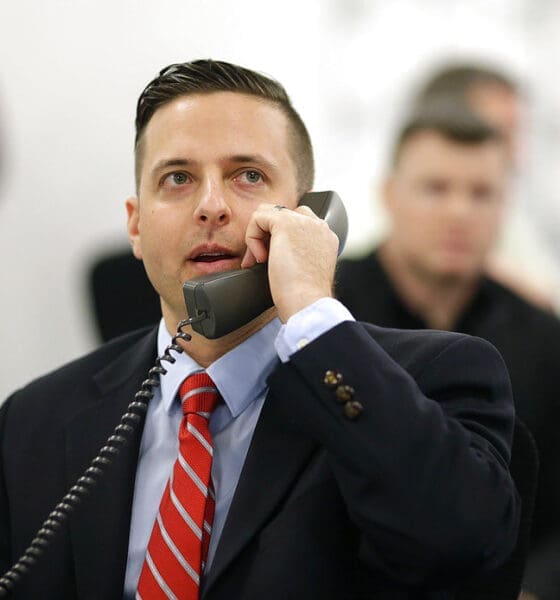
[198, 394]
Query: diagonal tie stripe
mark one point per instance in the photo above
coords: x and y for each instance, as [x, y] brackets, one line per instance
[164, 588]
[176, 552]
[205, 443]
[192, 474]
[178, 545]
[197, 392]
[186, 517]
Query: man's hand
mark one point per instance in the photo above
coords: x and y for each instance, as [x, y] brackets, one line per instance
[301, 251]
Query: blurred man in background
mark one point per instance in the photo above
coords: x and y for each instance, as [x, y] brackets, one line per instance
[445, 195]
[499, 99]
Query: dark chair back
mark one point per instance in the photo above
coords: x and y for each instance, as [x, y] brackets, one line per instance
[123, 298]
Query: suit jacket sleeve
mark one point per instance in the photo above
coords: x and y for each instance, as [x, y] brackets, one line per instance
[424, 468]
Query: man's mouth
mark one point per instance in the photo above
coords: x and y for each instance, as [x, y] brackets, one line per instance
[211, 256]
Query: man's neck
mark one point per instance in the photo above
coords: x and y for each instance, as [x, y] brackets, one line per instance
[205, 351]
[439, 301]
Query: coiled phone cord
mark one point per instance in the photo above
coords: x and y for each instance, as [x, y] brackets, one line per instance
[122, 433]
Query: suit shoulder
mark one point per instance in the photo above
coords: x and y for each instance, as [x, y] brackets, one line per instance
[396, 337]
[415, 347]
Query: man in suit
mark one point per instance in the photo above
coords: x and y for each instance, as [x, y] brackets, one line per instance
[349, 461]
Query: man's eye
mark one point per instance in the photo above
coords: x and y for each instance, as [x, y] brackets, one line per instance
[483, 194]
[252, 176]
[435, 187]
[179, 178]
[176, 179]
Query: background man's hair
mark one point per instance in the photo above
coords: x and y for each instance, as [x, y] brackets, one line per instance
[457, 80]
[451, 119]
[208, 76]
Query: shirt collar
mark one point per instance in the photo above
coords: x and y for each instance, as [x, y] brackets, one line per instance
[240, 375]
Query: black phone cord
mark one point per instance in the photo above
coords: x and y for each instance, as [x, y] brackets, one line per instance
[134, 415]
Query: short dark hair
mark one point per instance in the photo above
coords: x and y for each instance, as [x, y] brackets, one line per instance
[453, 120]
[207, 76]
[458, 79]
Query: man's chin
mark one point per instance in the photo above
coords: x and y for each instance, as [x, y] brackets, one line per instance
[450, 274]
[456, 274]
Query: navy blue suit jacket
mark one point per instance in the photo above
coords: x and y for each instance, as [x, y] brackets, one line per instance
[400, 502]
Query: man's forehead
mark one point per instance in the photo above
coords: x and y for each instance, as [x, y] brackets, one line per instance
[224, 116]
[440, 142]
[220, 104]
[221, 125]
[444, 158]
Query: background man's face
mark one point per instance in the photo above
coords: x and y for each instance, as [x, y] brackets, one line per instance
[445, 202]
[208, 161]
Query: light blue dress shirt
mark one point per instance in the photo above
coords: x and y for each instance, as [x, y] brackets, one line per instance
[240, 376]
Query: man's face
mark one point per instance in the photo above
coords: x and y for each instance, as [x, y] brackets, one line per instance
[208, 161]
[446, 202]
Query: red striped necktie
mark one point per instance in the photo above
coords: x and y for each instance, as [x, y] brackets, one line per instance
[179, 541]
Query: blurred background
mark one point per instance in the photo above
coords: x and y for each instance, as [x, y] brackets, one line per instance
[71, 72]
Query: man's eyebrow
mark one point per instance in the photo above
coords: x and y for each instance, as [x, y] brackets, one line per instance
[171, 162]
[258, 159]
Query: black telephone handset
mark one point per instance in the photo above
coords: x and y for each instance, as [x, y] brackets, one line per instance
[226, 301]
[217, 304]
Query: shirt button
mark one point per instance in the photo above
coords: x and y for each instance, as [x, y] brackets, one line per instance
[353, 409]
[344, 393]
[332, 378]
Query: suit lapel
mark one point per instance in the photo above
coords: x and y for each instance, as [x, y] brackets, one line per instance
[274, 460]
[99, 528]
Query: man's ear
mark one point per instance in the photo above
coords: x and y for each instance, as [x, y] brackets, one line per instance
[133, 225]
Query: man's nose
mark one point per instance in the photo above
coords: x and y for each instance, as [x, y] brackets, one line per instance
[212, 207]
[459, 205]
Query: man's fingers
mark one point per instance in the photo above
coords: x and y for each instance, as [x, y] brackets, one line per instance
[248, 259]
[257, 246]
[259, 230]
[257, 236]
[305, 210]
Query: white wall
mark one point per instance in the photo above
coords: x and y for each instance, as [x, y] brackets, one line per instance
[70, 73]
